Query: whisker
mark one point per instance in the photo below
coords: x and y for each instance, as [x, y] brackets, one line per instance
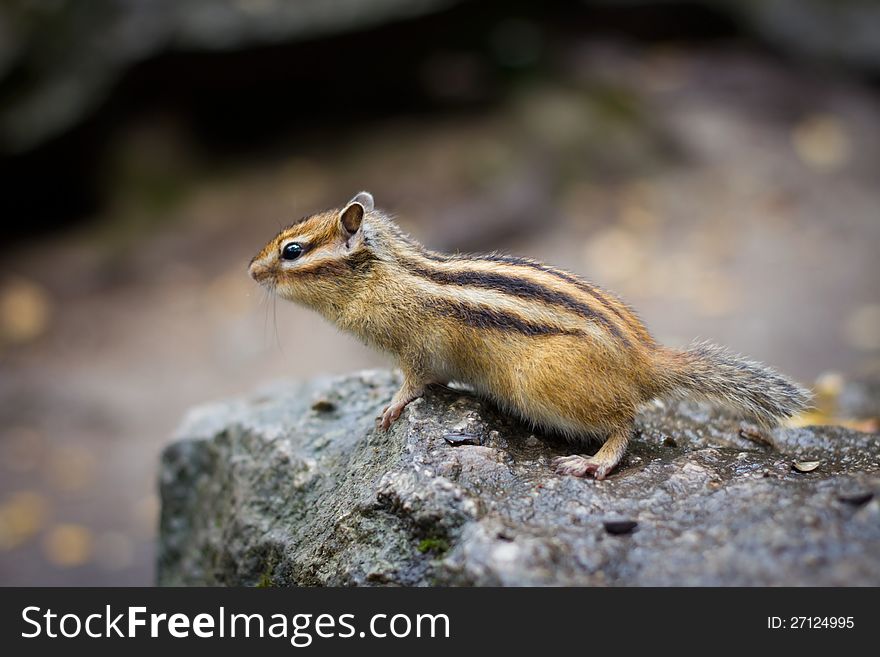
[275, 319]
[265, 303]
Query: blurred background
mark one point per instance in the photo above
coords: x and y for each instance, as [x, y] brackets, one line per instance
[716, 163]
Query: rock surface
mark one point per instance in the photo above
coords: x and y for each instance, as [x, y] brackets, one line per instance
[294, 486]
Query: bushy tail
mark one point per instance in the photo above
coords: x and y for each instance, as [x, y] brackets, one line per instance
[709, 371]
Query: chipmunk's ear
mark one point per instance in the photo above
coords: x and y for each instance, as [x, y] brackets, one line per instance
[365, 199]
[353, 213]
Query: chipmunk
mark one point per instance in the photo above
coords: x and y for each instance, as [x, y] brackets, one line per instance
[559, 352]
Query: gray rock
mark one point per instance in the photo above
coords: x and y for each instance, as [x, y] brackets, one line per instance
[860, 398]
[294, 486]
[832, 31]
[841, 32]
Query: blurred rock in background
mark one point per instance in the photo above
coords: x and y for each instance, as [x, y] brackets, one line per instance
[71, 71]
[60, 58]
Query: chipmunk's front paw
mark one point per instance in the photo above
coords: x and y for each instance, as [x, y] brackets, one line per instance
[582, 466]
[389, 415]
[407, 393]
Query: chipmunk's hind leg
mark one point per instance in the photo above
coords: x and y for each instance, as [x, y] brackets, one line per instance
[602, 462]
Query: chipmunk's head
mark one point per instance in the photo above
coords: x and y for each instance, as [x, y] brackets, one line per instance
[320, 259]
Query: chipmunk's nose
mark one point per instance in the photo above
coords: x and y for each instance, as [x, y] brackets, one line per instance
[257, 270]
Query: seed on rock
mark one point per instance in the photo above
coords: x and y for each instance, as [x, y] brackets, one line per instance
[805, 466]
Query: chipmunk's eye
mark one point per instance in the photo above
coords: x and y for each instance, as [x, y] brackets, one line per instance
[291, 251]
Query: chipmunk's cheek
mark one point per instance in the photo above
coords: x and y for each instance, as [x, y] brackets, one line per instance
[285, 290]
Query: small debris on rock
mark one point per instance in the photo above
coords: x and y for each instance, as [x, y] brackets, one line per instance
[755, 436]
[324, 406]
[620, 527]
[669, 441]
[457, 439]
[805, 466]
[858, 499]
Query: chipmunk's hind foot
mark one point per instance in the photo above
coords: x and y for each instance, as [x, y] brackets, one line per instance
[599, 465]
[581, 466]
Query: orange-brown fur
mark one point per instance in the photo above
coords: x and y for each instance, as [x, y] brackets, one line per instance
[543, 344]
